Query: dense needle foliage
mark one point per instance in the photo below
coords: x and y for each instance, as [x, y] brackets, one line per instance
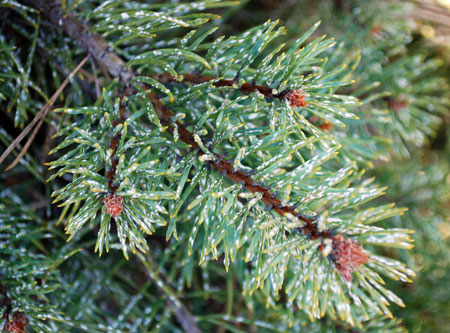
[177, 175]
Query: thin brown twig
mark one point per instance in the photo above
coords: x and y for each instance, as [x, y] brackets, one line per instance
[114, 145]
[38, 119]
[82, 82]
[94, 71]
[48, 143]
[246, 87]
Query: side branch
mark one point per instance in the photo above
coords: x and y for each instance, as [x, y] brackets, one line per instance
[185, 318]
[245, 88]
[114, 145]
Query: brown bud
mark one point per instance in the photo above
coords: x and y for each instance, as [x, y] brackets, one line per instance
[376, 31]
[347, 255]
[114, 205]
[296, 98]
[398, 105]
[18, 323]
[326, 126]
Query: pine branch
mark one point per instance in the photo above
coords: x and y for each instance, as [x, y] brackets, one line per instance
[136, 164]
[98, 48]
[294, 97]
[245, 88]
[348, 255]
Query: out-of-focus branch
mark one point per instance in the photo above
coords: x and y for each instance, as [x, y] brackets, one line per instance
[184, 317]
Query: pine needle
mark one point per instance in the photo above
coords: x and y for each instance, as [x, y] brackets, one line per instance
[39, 119]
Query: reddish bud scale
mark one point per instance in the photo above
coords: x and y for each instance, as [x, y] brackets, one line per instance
[296, 98]
[114, 205]
[326, 126]
[347, 255]
[398, 105]
[17, 325]
[376, 31]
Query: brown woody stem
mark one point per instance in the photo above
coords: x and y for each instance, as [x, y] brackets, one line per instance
[246, 87]
[114, 145]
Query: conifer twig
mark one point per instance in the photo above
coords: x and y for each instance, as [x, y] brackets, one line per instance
[114, 145]
[246, 87]
[94, 72]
